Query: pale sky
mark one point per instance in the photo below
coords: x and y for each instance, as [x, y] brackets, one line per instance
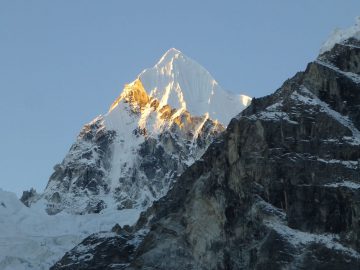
[63, 62]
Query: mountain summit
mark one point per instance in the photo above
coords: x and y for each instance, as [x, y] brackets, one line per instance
[180, 82]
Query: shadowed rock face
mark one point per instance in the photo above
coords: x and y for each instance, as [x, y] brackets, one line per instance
[280, 189]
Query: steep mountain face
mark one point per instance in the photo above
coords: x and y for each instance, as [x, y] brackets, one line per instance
[280, 189]
[160, 124]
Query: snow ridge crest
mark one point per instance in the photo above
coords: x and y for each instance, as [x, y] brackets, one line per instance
[180, 82]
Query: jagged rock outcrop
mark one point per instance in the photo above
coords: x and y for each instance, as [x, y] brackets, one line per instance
[280, 189]
[29, 196]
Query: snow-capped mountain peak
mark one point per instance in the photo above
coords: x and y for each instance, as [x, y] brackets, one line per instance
[121, 162]
[159, 125]
[168, 57]
[180, 82]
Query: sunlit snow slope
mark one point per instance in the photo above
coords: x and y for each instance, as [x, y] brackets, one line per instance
[182, 83]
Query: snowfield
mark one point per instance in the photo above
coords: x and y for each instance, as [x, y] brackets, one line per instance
[31, 239]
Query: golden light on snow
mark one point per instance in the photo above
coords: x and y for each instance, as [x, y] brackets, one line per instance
[245, 100]
[175, 88]
[133, 93]
[136, 96]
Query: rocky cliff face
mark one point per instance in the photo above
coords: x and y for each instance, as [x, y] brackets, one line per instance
[280, 189]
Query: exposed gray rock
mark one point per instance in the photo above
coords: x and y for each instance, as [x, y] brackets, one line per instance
[29, 196]
[82, 173]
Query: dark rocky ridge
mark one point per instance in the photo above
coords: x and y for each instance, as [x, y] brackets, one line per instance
[280, 189]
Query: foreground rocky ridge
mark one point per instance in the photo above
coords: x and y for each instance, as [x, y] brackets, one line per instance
[280, 189]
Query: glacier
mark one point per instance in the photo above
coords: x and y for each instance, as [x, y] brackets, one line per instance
[32, 239]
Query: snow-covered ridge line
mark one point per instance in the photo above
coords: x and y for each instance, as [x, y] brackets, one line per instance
[300, 238]
[306, 96]
[351, 164]
[347, 184]
[352, 76]
[274, 113]
[350, 46]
